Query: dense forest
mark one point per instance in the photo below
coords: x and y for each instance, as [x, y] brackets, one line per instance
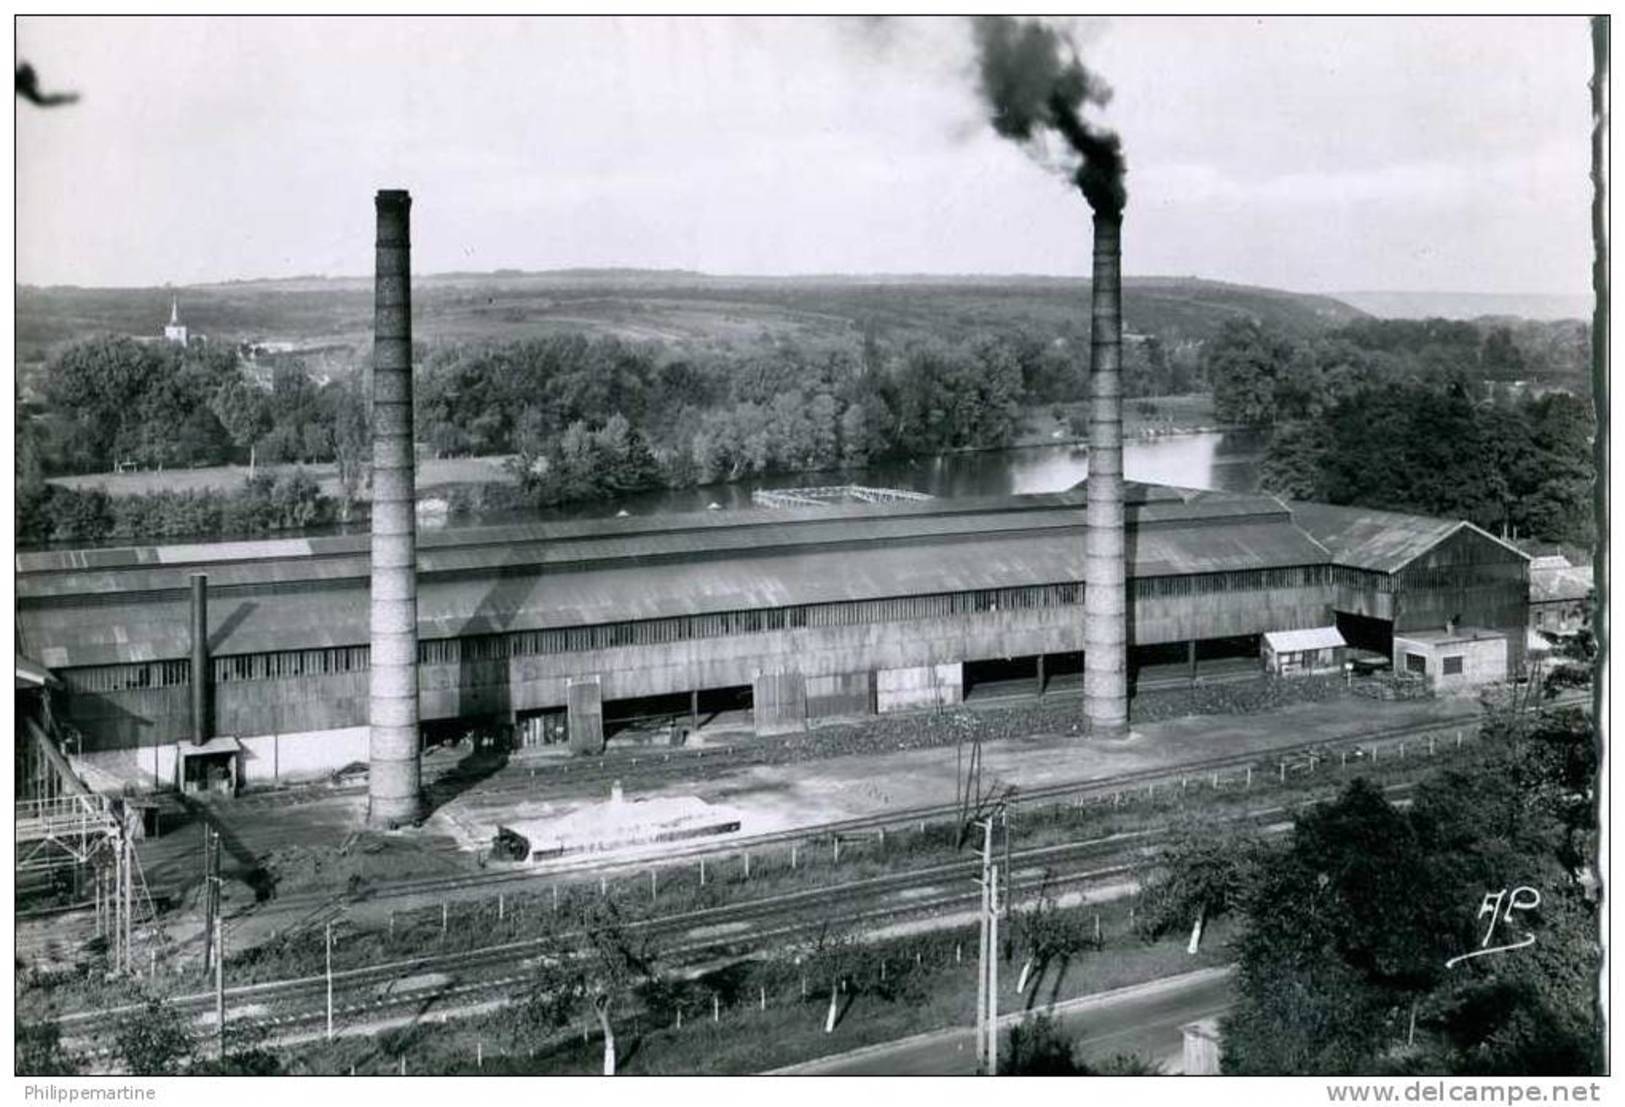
[1426, 416]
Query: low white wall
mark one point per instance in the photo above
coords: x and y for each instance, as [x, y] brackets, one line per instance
[919, 686]
[267, 760]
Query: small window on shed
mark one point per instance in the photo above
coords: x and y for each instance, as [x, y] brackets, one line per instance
[1416, 663]
[1452, 666]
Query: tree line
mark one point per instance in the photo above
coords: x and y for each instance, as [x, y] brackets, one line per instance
[109, 402]
[1412, 416]
[1362, 935]
[593, 417]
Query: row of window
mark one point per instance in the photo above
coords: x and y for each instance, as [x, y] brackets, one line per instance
[123, 678]
[1252, 580]
[497, 647]
[1416, 663]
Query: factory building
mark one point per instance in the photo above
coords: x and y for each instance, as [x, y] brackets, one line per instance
[784, 617]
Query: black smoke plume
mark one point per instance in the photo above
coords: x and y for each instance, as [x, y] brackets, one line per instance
[28, 88]
[1033, 80]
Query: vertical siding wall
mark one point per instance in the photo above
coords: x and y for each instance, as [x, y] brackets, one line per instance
[836, 663]
[1469, 578]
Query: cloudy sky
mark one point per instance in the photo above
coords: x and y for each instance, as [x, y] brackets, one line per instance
[1310, 154]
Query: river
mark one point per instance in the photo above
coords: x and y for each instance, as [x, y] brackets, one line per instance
[1227, 460]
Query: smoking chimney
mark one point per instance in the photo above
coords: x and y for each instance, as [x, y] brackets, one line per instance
[1105, 607]
[201, 731]
[1034, 82]
[394, 792]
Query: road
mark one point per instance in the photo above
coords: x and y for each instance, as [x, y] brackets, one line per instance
[1144, 1019]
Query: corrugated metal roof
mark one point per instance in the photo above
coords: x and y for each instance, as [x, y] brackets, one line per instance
[312, 593]
[1360, 538]
[1313, 638]
[113, 630]
[695, 536]
[1553, 584]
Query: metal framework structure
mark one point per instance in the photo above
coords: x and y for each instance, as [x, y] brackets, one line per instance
[94, 832]
[824, 495]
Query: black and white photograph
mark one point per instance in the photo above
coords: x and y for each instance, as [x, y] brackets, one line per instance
[768, 545]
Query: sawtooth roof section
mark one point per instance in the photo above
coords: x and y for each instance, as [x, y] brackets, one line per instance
[115, 629]
[1384, 541]
[546, 546]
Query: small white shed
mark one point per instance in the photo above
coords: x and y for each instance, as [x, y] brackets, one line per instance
[1304, 652]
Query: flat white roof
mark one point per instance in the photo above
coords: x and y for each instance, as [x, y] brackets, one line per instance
[1448, 637]
[1294, 641]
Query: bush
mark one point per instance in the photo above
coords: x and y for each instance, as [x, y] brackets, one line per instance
[264, 504]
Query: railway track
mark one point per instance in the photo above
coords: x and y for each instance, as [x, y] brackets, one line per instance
[1296, 757]
[689, 938]
[319, 907]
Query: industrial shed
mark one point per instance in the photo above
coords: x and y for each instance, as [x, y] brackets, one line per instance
[1304, 652]
[793, 615]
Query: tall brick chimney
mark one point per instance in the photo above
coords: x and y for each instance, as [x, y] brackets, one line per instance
[394, 786]
[201, 725]
[1105, 606]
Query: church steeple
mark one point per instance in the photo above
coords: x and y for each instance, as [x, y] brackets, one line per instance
[174, 331]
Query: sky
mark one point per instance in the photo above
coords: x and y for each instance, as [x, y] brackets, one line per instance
[1308, 154]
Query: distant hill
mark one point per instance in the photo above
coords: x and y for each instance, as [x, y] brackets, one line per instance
[673, 306]
[1469, 305]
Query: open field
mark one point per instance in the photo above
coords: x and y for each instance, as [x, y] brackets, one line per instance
[683, 309]
[432, 473]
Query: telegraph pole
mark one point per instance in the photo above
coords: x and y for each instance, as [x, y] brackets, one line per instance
[993, 973]
[220, 988]
[987, 975]
[330, 982]
[981, 970]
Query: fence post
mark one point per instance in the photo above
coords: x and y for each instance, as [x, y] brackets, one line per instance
[1430, 745]
[654, 886]
[392, 926]
[747, 864]
[479, 1054]
[1249, 776]
[1283, 772]
[959, 952]
[1402, 751]
[761, 997]
[555, 899]
[716, 1007]
[792, 856]
[837, 849]
[702, 872]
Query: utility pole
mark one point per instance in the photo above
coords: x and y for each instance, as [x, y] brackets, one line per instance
[208, 900]
[981, 965]
[987, 980]
[993, 973]
[330, 982]
[129, 890]
[220, 987]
